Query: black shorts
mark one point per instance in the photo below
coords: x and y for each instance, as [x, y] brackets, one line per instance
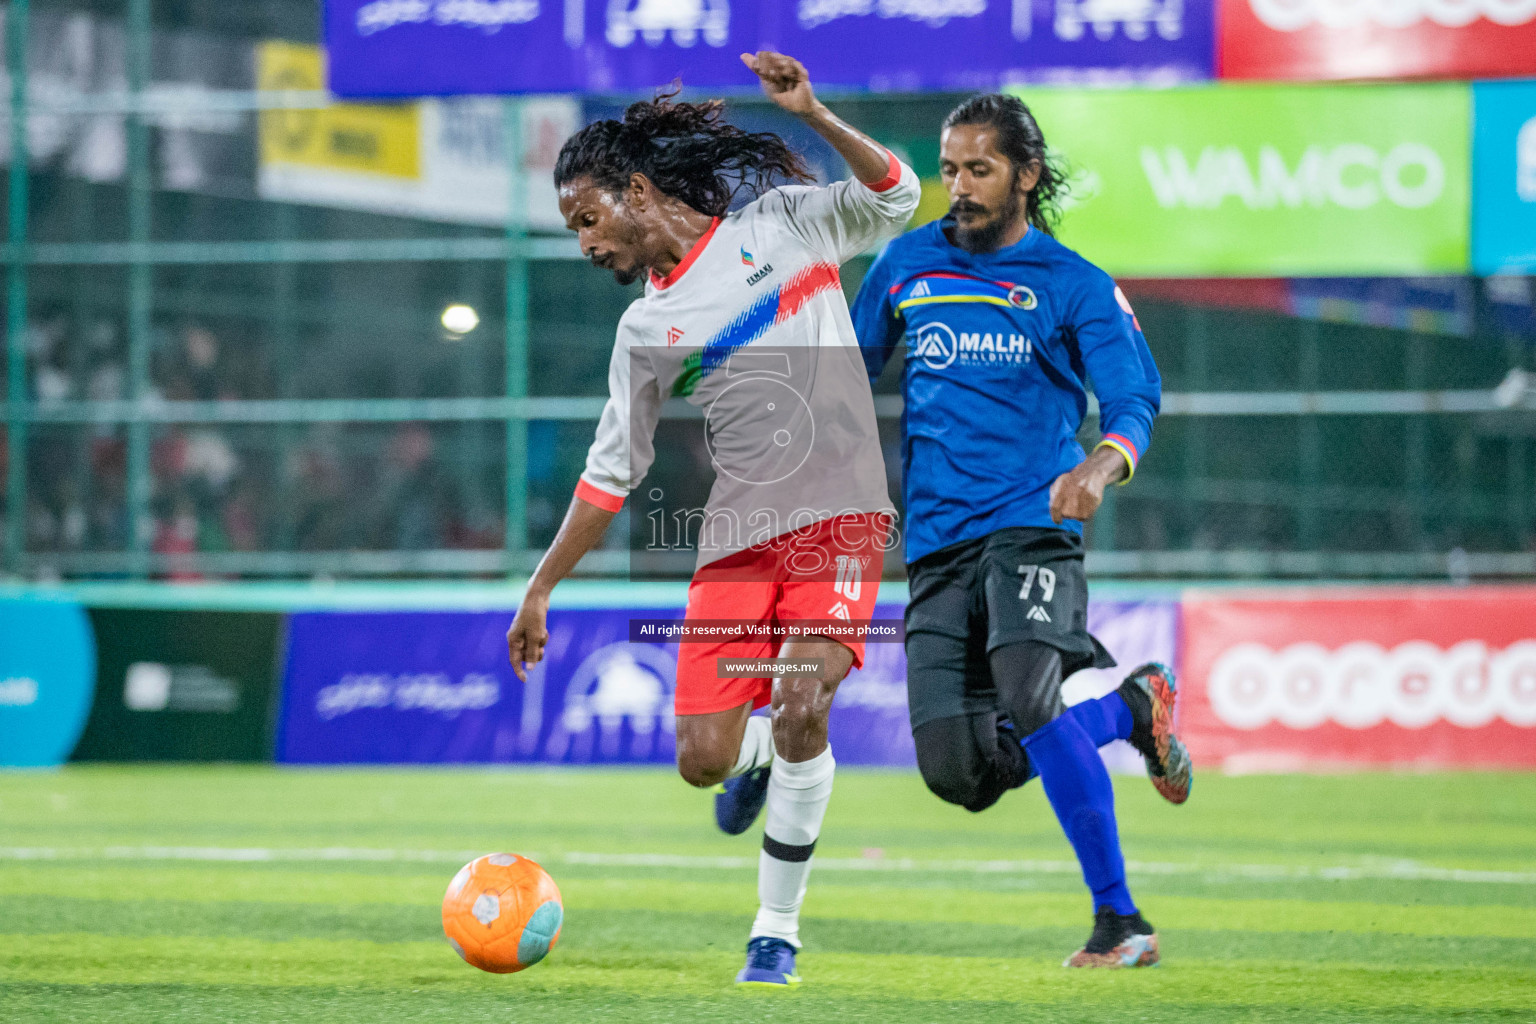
[1017, 584]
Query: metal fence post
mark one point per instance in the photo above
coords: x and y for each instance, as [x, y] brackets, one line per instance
[516, 538]
[1416, 446]
[140, 289]
[1309, 520]
[1195, 468]
[16, 29]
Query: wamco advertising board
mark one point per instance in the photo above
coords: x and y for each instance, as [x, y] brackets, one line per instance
[1265, 181]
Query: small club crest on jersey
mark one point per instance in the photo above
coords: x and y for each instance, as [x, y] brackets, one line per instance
[1021, 297]
[673, 335]
[746, 258]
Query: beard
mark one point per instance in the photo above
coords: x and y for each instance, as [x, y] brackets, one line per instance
[626, 276]
[987, 236]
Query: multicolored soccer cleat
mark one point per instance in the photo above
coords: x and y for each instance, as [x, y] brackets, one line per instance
[739, 801]
[770, 964]
[1117, 941]
[1152, 692]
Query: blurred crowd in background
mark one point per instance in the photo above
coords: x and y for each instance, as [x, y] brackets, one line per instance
[252, 323]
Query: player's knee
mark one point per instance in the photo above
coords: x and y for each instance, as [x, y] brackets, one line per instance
[704, 765]
[702, 769]
[802, 707]
[795, 716]
[951, 785]
[950, 772]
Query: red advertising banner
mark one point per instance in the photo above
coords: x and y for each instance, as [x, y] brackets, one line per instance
[1338, 39]
[1429, 676]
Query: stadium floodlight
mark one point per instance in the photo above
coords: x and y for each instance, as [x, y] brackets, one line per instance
[459, 319]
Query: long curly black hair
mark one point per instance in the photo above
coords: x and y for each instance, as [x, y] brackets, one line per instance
[686, 150]
[1020, 139]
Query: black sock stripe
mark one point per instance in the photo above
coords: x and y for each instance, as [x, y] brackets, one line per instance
[784, 851]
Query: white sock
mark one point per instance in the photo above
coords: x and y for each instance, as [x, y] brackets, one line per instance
[756, 746]
[797, 801]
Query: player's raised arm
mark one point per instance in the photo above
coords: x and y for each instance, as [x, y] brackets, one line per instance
[787, 83]
[848, 217]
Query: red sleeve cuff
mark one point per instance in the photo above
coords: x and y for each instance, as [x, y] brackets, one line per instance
[599, 497]
[892, 175]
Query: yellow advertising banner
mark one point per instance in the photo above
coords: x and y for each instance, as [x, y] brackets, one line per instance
[381, 139]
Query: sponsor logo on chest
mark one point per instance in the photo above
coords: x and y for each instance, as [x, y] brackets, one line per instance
[760, 273]
[940, 347]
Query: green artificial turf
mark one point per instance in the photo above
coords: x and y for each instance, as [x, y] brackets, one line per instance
[264, 894]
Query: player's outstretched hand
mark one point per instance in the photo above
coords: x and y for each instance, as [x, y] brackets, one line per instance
[785, 80]
[529, 634]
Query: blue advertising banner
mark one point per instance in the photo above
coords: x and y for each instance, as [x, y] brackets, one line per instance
[442, 47]
[1504, 177]
[433, 687]
[401, 687]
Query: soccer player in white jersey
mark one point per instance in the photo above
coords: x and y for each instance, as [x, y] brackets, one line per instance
[743, 316]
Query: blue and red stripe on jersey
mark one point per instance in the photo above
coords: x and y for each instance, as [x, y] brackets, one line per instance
[771, 308]
[943, 275]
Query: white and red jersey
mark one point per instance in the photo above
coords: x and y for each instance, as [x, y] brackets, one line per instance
[752, 327]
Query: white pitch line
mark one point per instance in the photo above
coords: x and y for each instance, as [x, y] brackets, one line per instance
[1398, 870]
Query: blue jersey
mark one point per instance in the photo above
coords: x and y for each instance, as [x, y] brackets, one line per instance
[1000, 347]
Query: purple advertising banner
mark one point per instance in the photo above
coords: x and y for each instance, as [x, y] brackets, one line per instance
[435, 687]
[443, 47]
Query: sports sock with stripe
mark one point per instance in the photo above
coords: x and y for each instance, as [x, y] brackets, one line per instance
[1077, 785]
[756, 746]
[798, 793]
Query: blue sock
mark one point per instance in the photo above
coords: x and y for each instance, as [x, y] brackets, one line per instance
[1078, 787]
[1105, 719]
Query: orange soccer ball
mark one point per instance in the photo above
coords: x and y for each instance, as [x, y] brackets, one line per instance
[502, 913]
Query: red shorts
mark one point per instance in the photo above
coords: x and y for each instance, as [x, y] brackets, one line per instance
[828, 570]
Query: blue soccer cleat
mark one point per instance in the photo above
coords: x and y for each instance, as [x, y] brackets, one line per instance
[740, 800]
[770, 964]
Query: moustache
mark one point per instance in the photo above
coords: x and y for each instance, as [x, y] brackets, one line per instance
[966, 206]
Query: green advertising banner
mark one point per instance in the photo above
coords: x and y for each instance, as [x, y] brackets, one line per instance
[1265, 180]
[182, 685]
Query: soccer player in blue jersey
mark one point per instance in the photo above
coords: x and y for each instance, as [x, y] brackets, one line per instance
[1004, 327]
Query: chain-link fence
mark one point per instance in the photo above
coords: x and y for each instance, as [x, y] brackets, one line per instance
[245, 339]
